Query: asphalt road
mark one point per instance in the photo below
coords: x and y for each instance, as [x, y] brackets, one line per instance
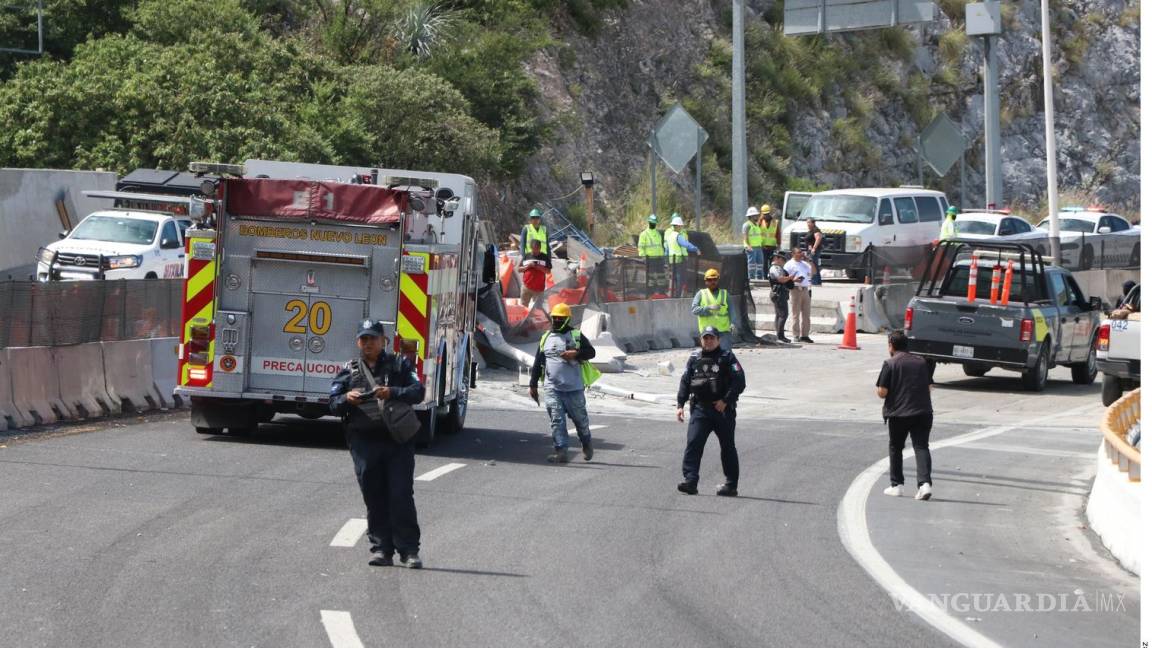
[148, 534]
[145, 533]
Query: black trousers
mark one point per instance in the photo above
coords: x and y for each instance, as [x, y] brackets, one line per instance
[703, 421]
[899, 429]
[384, 470]
[781, 306]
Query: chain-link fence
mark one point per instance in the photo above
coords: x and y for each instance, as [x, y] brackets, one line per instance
[74, 312]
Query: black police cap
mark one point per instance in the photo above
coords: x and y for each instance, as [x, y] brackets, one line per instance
[368, 327]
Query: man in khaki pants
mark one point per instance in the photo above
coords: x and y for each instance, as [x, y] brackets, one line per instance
[801, 295]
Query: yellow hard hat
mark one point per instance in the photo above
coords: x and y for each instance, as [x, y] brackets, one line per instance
[765, 208]
[712, 274]
[561, 310]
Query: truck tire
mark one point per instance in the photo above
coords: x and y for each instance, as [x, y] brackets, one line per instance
[1111, 390]
[1036, 376]
[458, 407]
[974, 370]
[209, 430]
[1084, 373]
[427, 434]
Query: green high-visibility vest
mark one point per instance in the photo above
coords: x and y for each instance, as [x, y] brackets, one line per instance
[718, 317]
[947, 229]
[676, 252]
[754, 238]
[538, 234]
[769, 233]
[588, 372]
[651, 243]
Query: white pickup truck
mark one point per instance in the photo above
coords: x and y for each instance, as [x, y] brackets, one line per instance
[1118, 348]
[117, 244]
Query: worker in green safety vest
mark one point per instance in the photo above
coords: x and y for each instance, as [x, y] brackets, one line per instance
[535, 231]
[651, 242]
[948, 227]
[769, 231]
[753, 252]
[710, 306]
[677, 247]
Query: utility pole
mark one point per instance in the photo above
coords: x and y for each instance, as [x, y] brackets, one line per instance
[739, 130]
[1050, 138]
[588, 180]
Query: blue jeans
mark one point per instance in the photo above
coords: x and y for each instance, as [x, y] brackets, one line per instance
[816, 279]
[755, 258]
[572, 404]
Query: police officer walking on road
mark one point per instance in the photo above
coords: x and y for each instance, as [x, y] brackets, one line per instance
[712, 382]
[384, 468]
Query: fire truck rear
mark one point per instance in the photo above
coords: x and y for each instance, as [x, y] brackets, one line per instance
[282, 271]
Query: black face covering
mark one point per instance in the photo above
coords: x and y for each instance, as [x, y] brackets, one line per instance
[558, 323]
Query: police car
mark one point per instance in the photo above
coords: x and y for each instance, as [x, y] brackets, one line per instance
[1098, 235]
[981, 224]
[117, 244]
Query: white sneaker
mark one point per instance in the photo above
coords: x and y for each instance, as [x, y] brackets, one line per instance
[924, 492]
[895, 491]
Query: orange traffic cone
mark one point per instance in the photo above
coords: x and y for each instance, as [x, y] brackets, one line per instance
[849, 341]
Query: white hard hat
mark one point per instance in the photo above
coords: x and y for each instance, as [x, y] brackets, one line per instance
[752, 213]
[678, 221]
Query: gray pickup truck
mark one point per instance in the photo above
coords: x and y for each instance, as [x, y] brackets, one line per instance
[1044, 320]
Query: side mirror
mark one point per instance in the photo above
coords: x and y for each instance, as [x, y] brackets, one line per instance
[63, 234]
[1095, 303]
[1105, 230]
[449, 207]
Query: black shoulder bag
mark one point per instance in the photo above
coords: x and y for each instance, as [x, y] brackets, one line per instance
[399, 417]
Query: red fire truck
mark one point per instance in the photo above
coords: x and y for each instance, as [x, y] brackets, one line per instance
[284, 262]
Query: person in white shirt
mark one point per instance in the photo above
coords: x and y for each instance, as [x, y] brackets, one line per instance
[801, 295]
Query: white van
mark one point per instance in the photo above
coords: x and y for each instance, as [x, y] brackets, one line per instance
[854, 219]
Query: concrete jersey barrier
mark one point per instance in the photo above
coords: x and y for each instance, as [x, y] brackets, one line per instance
[128, 374]
[79, 370]
[36, 386]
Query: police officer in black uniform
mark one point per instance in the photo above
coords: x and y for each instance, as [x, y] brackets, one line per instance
[712, 382]
[384, 468]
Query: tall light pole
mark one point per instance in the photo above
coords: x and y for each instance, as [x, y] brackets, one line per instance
[1050, 138]
[739, 131]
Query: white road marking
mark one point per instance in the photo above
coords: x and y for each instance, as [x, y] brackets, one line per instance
[350, 533]
[852, 523]
[341, 632]
[442, 470]
[590, 428]
[1018, 449]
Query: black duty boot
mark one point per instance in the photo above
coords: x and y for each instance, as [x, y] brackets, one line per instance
[688, 488]
[726, 490]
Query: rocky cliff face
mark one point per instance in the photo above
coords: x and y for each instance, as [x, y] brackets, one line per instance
[603, 93]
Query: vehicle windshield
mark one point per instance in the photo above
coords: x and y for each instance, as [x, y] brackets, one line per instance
[840, 209]
[1070, 225]
[113, 229]
[975, 227]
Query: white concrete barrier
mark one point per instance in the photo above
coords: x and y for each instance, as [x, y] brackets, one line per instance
[80, 375]
[9, 416]
[36, 386]
[164, 369]
[1114, 512]
[128, 375]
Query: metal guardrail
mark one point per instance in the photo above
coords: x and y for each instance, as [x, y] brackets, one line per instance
[1119, 419]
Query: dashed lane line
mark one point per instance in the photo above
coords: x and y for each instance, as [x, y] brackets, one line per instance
[438, 472]
[350, 533]
[852, 524]
[341, 631]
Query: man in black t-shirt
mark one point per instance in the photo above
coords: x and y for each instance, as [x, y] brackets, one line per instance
[904, 384]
